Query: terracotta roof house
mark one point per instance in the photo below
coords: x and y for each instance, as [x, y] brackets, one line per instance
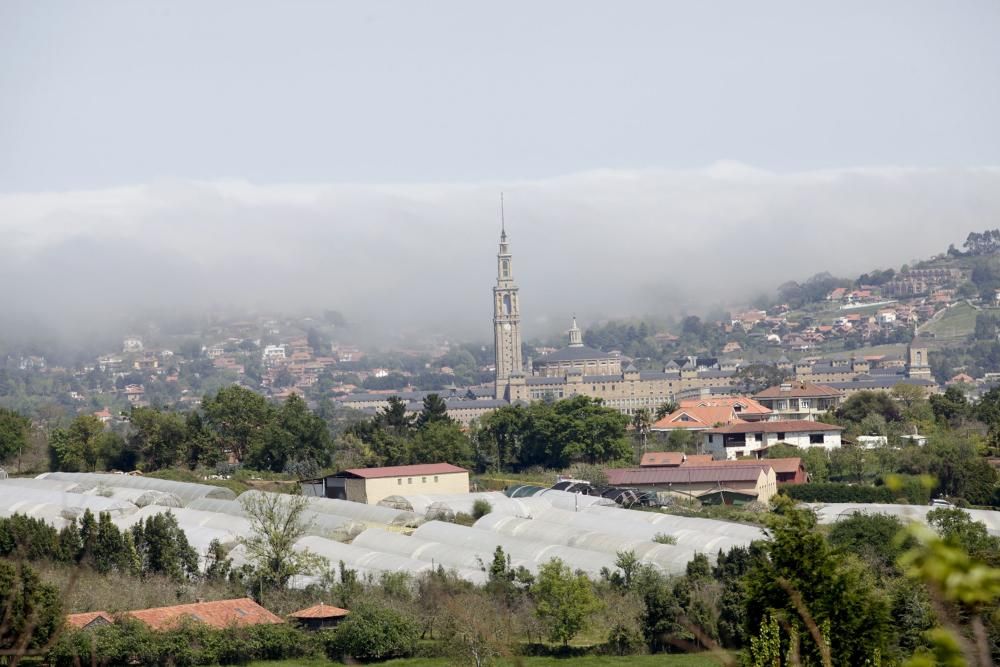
[747, 408]
[736, 440]
[217, 614]
[742, 483]
[319, 617]
[90, 619]
[370, 485]
[696, 419]
[786, 470]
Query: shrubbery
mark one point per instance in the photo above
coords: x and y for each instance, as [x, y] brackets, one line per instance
[833, 492]
[373, 633]
[128, 641]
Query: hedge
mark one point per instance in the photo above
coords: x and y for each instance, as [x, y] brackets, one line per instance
[834, 492]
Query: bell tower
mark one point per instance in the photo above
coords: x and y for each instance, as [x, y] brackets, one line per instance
[506, 316]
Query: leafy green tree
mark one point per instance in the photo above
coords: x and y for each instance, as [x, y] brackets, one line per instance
[373, 632]
[294, 435]
[958, 529]
[499, 438]
[829, 603]
[76, 448]
[14, 429]
[277, 522]
[31, 610]
[950, 407]
[158, 437]
[871, 537]
[865, 403]
[239, 418]
[441, 441]
[163, 548]
[202, 447]
[563, 600]
[641, 423]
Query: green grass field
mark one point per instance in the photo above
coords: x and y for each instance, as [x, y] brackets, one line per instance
[661, 660]
[957, 321]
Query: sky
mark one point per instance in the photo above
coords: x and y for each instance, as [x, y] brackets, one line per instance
[655, 156]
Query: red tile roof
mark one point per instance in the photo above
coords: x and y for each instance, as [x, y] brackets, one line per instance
[218, 614]
[662, 459]
[79, 621]
[747, 406]
[789, 426]
[798, 390]
[696, 418]
[402, 471]
[320, 611]
[686, 475]
[788, 465]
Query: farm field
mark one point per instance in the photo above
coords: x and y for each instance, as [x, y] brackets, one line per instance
[957, 321]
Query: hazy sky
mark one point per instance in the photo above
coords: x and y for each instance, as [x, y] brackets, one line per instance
[655, 154]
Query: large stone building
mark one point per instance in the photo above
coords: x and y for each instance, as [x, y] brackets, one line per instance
[580, 370]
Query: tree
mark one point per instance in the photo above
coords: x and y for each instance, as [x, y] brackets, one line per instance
[76, 448]
[277, 522]
[373, 632]
[238, 417]
[394, 417]
[295, 438]
[435, 410]
[951, 407]
[564, 600]
[641, 423]
[159, 438]
[864, 403]
[825, 602]
[664, 409]
[163, 548]
[499, 437]
[439, 440]
[14, 429]
[871, 537]
[476, 630]
[30, 609]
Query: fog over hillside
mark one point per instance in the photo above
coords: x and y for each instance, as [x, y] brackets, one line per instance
[597, 243]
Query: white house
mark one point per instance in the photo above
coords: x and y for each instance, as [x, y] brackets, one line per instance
[274, 353]
[742, 439]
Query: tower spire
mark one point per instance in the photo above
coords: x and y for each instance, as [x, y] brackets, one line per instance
[503, 227]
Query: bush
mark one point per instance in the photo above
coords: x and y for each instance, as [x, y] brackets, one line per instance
[481, 508]
[128, 641]
[833, 492]
[373, 633]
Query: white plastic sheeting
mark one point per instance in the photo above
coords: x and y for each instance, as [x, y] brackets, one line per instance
[667, 557]
[704, 535]
[833, 512]
[57, 508]
[359, 511]
[534, 553]
[41, 484]
[186, 491]
[437, 553]
[446, 506]
[572, 501]
[367, 561]
[322, 525]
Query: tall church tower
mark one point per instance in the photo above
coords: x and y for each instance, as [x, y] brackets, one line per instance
[506, 320]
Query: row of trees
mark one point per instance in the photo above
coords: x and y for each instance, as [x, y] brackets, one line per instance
[235, 421]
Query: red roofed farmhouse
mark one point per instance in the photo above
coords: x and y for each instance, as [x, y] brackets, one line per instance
[370, 485]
